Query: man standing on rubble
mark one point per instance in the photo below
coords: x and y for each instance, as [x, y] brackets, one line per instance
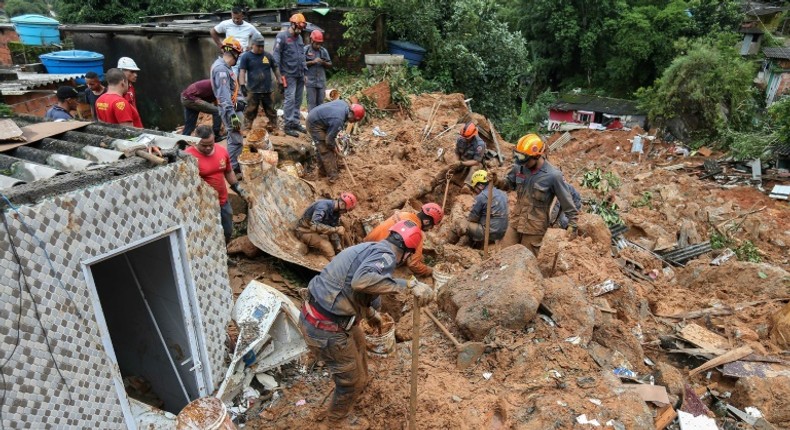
[474, 226]
[199, 97]
[325, 122]
[347, 290]
[214, 166]
[429, 216]
[255, 77]
[470, 150]
[318, 61]
[537, 183]
[290, 59]
[112, 107]
[226, 91]
[319, 227]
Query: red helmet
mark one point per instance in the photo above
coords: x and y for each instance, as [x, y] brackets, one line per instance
[349, 199]
[469, 130]
[434, 211]
[317, 36]
[409, 232]
[358, 110]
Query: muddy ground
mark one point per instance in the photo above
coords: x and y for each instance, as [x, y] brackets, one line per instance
[541, 376]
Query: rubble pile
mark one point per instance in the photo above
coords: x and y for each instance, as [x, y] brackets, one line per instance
[636, 327]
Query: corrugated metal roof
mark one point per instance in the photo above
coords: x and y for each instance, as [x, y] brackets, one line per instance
[778, 53]
[72, 159]
[30, 81]
[573, 102]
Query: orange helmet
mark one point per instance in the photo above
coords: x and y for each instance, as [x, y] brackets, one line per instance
[299, 20]
[469, 130]
[531, 145]
[230, 44]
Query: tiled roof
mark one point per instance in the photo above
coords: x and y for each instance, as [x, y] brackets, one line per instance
[573, 102]
[778, 53]
[30, 81]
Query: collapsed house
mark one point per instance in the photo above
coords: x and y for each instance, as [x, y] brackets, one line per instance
[113, 281]
[574, 111]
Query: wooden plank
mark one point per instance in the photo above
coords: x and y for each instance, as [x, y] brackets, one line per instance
[665, 416]
[705, 339]
[35, 132]
[650, 393]
[727, 357]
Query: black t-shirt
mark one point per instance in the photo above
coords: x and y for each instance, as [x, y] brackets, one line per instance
[259, 71]
[91, 99]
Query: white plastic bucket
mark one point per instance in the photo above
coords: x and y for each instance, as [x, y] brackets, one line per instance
[441, 276]
[382, 344]
[205, 413]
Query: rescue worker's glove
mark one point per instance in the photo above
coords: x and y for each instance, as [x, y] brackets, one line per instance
[235, 122]
[244, 90]
[375, 320]
[238, 190]
[422, 292]
[339, 230]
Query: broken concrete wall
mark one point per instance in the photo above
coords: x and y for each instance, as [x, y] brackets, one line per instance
[76, 226]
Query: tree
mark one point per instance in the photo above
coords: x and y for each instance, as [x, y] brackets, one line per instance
[130, 11]
[21, 7]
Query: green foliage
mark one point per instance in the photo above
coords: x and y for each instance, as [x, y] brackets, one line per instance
[598, 180]
[6, 110]
[21, 7]
[530, 118]
[748, 252]
[607, 210]
[403, 82]
[709, 87]
[719, 241]
[645, 201]
[779, 113]
[130, 11]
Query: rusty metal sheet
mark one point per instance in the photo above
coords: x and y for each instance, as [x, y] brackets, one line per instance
[278, 200]
[742, 369]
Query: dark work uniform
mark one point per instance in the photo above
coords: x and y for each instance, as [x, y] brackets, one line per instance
[324, 123]
[259, 69]
[499, 216]
[199, 97]
[315, 78]
[318, 222]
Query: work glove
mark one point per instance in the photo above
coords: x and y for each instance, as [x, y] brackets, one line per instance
[340, 230]
[375, 320]
[422, 292]
[238, 190]
[244, 90]
[235, 122]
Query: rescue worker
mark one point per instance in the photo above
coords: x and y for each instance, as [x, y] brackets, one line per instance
[347, 290]
[470, 151]
[560, 219]
[255, 77]
[429, 216]
[319, 227]
[67, 102]
[226, 91]
[474, 226]
[199, 97]
[318, 61]
[325, 122]
[537, 183]
[131, 70]
[289, 55]
[112, 107]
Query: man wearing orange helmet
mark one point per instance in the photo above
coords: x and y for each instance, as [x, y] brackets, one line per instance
[537, 183]
[318, 61]
[470, 150]
[289, 55]
[347, 290]
[319, 227]
[226, 91]
[325, 122]
[429, 216]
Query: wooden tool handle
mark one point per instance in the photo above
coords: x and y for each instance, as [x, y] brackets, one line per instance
[442, 328]
[415, 362]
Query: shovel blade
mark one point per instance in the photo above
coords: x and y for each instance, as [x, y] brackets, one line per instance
[468, 353]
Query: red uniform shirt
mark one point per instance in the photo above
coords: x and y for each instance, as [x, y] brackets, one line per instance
[115, 109]
[213, 168]
[131, 96]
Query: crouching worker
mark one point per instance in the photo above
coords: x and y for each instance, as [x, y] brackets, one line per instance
[474, 226]
[320, 228]
[429, 216]
[347, 290]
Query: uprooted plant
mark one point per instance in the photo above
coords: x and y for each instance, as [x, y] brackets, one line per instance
[602, 181]
[607, 210]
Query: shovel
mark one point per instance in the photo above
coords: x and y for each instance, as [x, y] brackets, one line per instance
[468, 352]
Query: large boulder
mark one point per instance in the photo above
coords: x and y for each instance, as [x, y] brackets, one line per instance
[503, 291]
[593, 226]
[770, 395]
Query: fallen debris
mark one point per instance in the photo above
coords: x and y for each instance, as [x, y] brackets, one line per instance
[729, 356]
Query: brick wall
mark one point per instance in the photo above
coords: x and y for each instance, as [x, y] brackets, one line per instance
[7, 34]
[33, 103]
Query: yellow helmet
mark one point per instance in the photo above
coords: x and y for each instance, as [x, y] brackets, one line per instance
[479, 177]
[531, 145]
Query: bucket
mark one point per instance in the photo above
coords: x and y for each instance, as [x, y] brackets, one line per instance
[37, 30]
[252, 166]
[332, 94]
[73, 62]
[205, 413]
[441, 276]
[294, 169]
[382, 344]
[411, 52]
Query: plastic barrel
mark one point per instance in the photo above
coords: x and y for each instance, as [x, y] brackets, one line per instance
[37, 30]
[411, 52]
[73, 62]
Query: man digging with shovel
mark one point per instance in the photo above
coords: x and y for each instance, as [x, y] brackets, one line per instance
[345, 291]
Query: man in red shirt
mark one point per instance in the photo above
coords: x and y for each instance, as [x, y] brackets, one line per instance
[111, 107]
[215, 169]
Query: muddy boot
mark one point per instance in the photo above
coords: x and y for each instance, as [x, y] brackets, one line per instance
[350, 423]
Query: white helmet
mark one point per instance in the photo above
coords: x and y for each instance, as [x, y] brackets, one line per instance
[126, 63]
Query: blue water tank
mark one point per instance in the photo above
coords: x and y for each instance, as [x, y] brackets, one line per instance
[73, 62]
[36, 30]
[411, 52]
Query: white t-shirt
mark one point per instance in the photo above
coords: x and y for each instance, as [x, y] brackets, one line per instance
[242, 33]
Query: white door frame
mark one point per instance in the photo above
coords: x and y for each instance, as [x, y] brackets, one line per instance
[189, 309]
